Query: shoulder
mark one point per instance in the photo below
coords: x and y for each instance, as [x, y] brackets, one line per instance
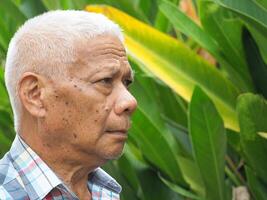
[7, 170]
[10, 182]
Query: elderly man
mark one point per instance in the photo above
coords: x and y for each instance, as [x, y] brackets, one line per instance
[67, 76]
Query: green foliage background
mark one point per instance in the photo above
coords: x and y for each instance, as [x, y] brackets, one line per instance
[200, 129]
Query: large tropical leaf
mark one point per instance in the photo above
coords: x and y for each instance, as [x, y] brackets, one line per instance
[209, 143]
[5, 144]
[217, 45]
[252, 114]
[11, 17]
[257, 187]
[161, 22]
[186, 25]
[226, 29]
[180, 190]
[248, 8]
[257, 67]
[175, 64]
[155, 147]
[13, 11]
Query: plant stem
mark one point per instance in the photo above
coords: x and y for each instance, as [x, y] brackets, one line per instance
[234, 169]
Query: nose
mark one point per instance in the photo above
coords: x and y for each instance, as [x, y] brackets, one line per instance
[126, 103]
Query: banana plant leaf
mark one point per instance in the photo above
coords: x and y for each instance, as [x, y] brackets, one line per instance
[256, 186]
[209, 144]
[226, 29]
[157, 150]
[176, 65]
[252, 114]
[248, 8]
[257, 67]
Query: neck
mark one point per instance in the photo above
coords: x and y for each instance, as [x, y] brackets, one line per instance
[71, 168]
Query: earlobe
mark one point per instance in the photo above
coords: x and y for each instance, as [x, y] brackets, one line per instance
[31, 87]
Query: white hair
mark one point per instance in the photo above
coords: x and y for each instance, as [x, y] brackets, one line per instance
[45, 45]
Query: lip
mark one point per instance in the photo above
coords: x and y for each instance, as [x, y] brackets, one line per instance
[122, 133]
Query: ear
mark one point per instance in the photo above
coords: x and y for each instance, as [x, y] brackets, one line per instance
[31, 89]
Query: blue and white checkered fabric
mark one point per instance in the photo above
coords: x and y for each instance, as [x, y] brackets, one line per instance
[24, 176]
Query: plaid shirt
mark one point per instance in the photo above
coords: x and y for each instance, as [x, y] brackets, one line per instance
[24, 176]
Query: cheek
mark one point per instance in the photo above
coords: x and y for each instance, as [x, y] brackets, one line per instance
[79, 109]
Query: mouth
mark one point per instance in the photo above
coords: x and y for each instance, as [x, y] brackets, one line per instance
[121, 132]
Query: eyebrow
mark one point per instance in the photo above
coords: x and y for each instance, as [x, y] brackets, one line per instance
[115, 70]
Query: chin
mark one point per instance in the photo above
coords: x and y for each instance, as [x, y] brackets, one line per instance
[114, 154]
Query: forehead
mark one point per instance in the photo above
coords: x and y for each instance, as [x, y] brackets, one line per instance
[100, 53]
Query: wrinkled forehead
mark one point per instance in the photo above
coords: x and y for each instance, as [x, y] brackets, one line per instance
[100, 53]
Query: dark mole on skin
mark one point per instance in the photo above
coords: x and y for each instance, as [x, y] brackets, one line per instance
[64, 119]
[74, 135]
[95, 120]
[67, 103]
[46, 144]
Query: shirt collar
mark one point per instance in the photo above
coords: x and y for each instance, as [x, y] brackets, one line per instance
[36, 176]
[39, 179]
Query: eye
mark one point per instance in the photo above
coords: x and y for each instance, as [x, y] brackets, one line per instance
[127, 82]
[106, 81]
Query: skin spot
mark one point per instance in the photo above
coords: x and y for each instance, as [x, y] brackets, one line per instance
[65, 120]
[47, 145]
[97, 111]
[95, 120]
[67, 103]
[75, 86]
[74, 135]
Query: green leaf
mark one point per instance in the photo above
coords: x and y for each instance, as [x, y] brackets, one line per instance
[5, 143]
[161, 21]
[158, 103]
[176, 65]
[257, 67]
[13, 11]
[192, 175]
[132, 7]
[209, 143]
[154, 188]
[51, 4]
[217, 46]
[187, 26]
[257, 188]
[248, 8]
[129, 166]
[226, 31]
[141, 178]
[262, 3]
[31, 8]
[4, 35]
[252, 114]
[157, 151]
[180, 190]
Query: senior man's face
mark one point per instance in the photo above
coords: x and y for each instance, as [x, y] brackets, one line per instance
[89, 110]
